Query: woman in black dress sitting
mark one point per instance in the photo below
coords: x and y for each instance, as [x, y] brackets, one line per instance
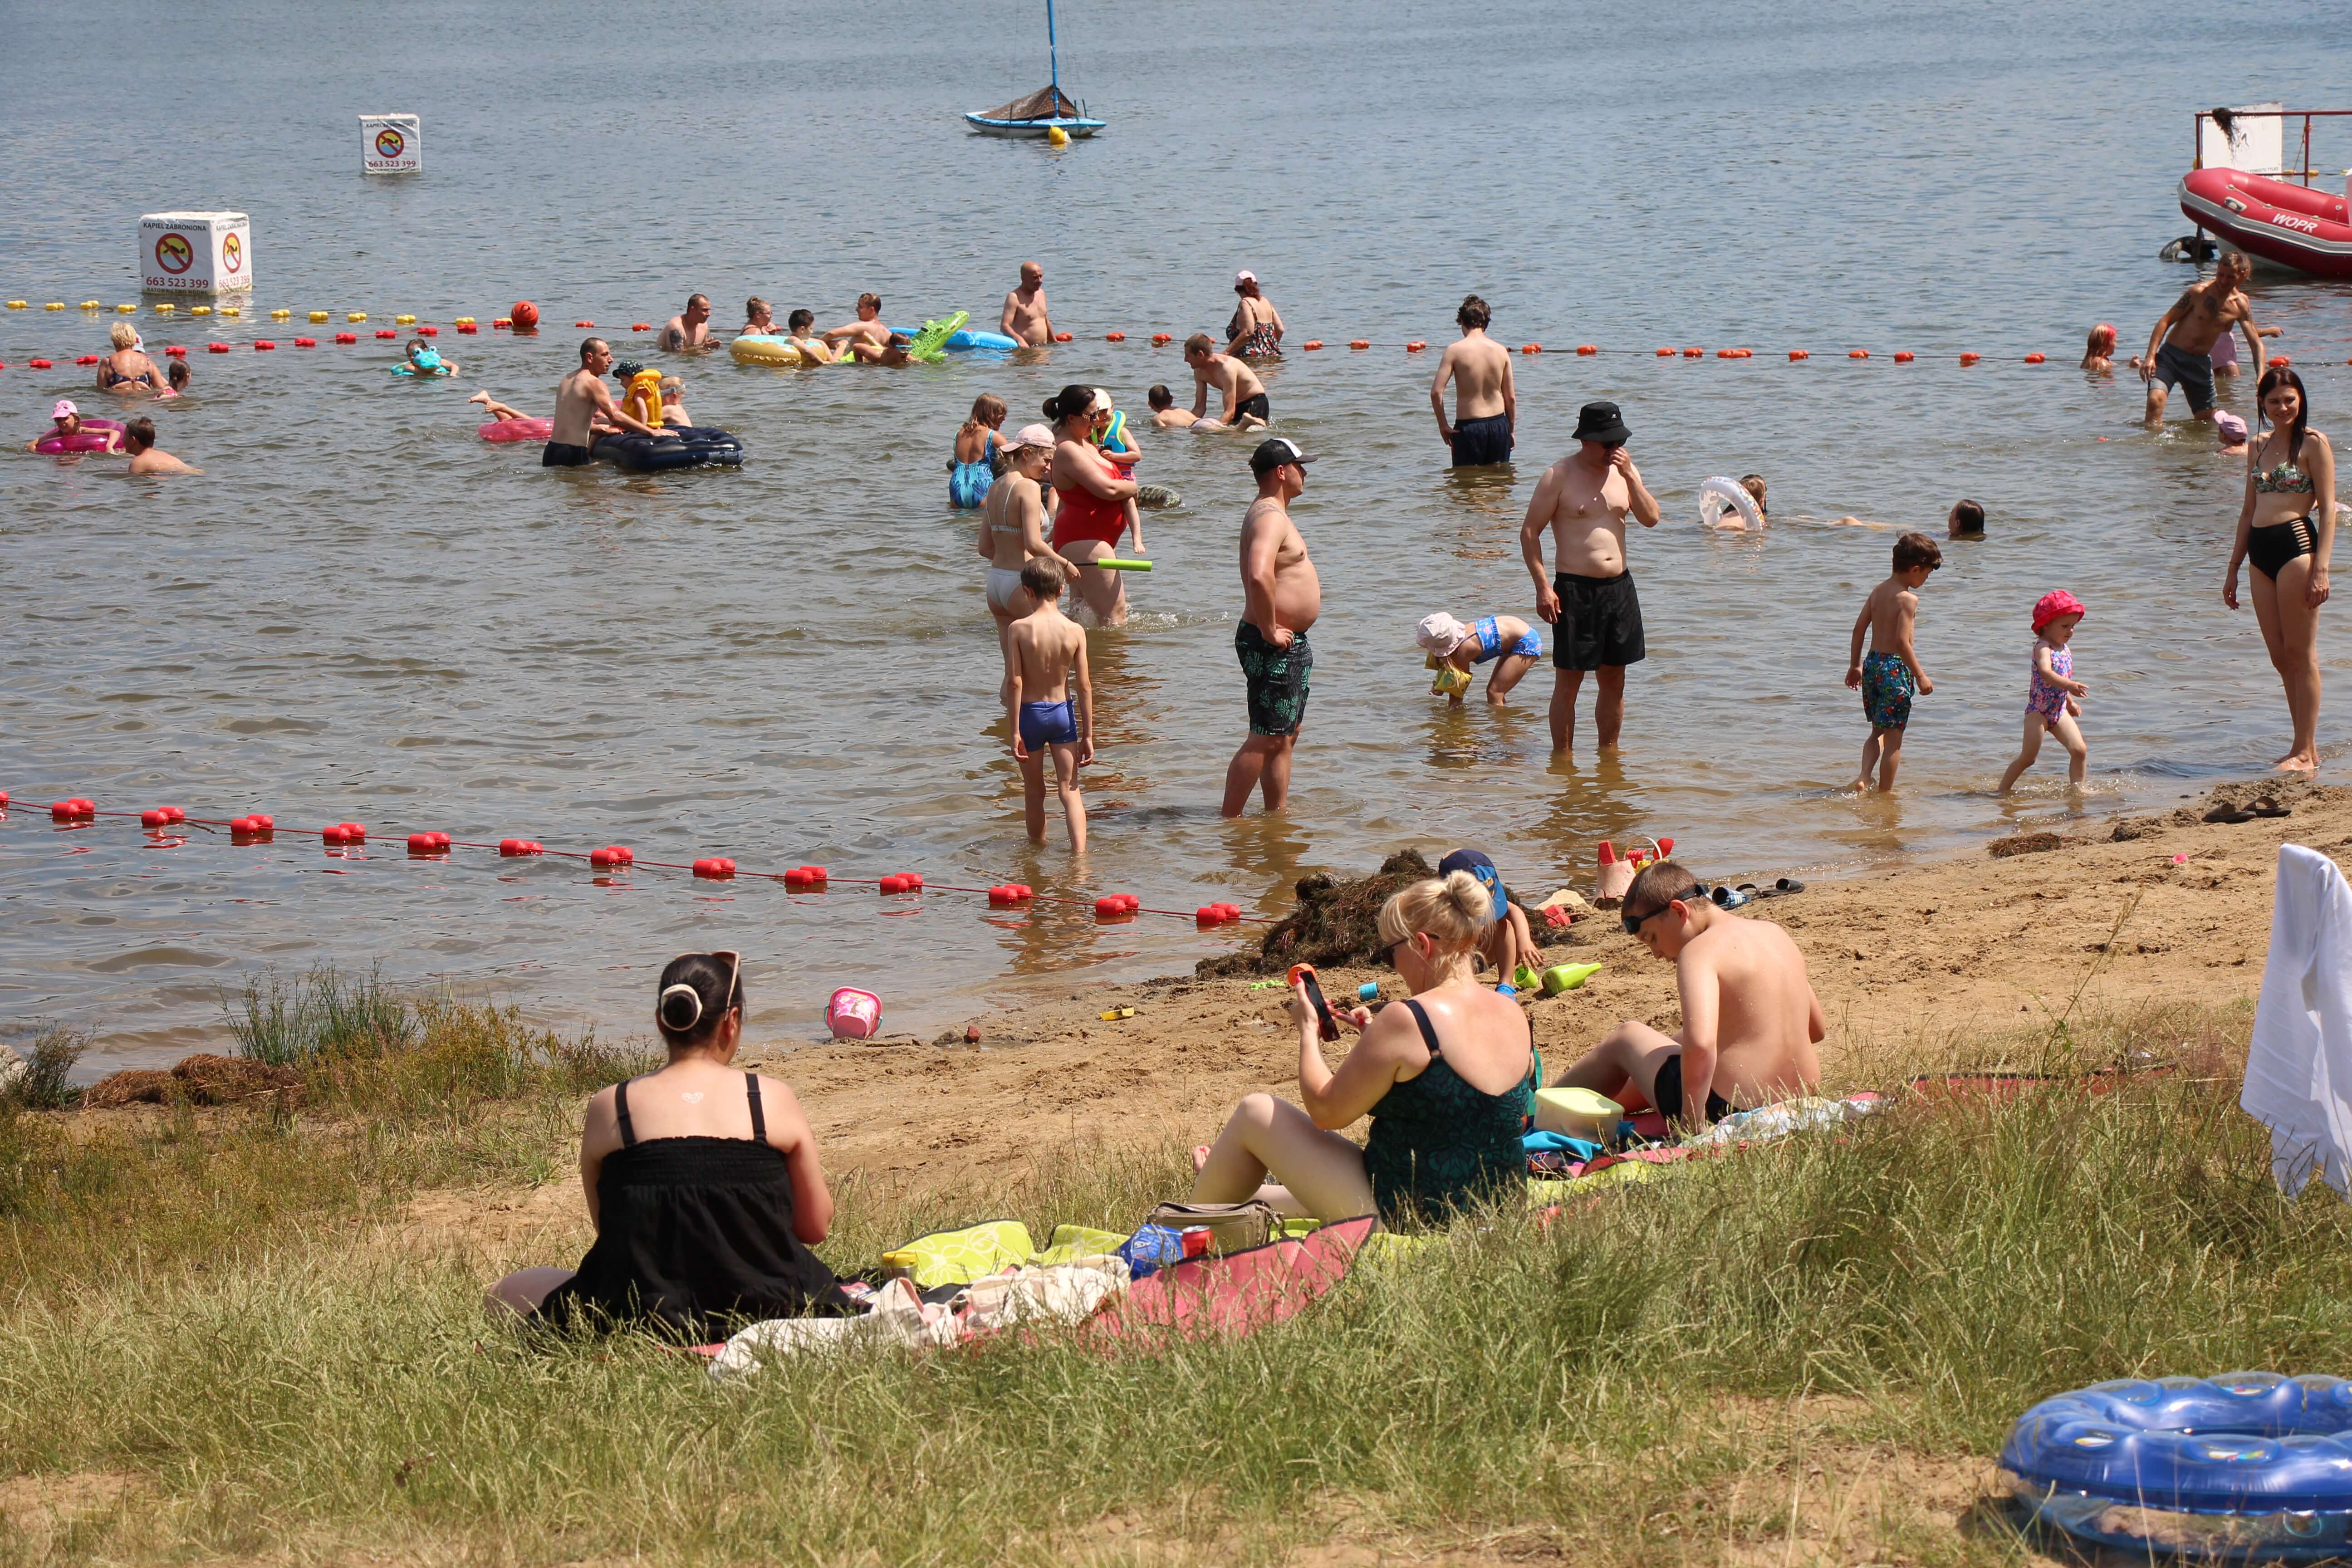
[702, 1183]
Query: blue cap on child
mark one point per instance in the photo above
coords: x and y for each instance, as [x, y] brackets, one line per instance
[1478, 864]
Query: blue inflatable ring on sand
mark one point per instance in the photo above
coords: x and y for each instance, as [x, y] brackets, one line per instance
[2248, 1466]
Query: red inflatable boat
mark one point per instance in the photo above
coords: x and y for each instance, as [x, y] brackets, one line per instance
[2295, 225]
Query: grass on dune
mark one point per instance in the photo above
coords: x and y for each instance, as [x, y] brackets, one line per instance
[1612, 1385]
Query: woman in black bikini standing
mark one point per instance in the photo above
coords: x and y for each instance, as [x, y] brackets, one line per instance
[2286, 530]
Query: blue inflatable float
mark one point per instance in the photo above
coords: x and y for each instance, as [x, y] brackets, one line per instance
[688, 446]
[964, 340]
[2248, 1466]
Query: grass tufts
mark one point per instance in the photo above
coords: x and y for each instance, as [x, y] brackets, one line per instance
[39, 1081]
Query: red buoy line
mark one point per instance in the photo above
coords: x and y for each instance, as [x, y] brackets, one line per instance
[260, 828]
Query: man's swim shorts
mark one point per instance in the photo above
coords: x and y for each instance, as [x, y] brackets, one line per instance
[2193, 373]
[1599, 620]
[565, 454]
[1887, 690]
[1255, 403]
[1277, 680]
[1668, 1092]
[1479, 442]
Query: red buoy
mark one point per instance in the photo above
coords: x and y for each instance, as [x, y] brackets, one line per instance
[1588, 349]
[306, 343]
[1799, 354]
[386, 333]
[2043, 359]
[1360, 343]
[523, 318]
[428, 332]
[86, 359]
[1904, 356]
[263, 345]
[209, 348]
[1114, 337]
[44, 364]
[467, 328]
[347, 337]
[1312, 344]
[1159, 338]
[175, 352]
[641, 326]
[1061, 337]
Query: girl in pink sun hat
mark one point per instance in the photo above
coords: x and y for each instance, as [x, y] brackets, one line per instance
[2052, 695]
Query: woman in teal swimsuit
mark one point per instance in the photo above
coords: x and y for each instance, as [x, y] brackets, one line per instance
[1447, 1078]
[973, 467]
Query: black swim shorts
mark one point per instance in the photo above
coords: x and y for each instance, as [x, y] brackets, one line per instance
[1277, 680]
[1479, 442]
[1668, 1093]
[1255, 403]
[1600, 622]
[565, 454]
[2193, 373]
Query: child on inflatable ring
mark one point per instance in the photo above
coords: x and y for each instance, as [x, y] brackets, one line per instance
[424, 358]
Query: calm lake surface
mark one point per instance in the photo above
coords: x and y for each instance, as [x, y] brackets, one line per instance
[364, 612]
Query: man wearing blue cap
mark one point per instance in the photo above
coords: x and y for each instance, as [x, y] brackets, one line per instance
[1507, 943]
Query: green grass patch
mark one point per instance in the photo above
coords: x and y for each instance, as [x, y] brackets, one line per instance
[1620, 1384]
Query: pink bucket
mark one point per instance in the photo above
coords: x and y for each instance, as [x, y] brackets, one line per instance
[853, 1015]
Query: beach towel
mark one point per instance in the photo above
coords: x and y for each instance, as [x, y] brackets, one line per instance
[2299, 1070]
[1239, 1293]
[960, 1257]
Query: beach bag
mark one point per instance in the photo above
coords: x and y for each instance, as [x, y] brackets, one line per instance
[1232, 1227]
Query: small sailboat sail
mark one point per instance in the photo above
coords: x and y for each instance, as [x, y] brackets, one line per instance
[1045, 109]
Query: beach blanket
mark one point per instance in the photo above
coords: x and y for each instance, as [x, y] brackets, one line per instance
[1239, 1293]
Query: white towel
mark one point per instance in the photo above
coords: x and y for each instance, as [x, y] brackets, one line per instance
[2299, 1073]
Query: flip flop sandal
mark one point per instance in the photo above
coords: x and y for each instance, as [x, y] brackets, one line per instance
[1781, 888]
[2266, 806]
[2229, 814]
[1728, 898]
[1749, 889]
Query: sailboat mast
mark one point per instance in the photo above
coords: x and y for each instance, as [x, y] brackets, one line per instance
[1054, 54]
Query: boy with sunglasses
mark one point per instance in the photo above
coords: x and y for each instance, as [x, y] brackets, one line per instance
[1750, 1019]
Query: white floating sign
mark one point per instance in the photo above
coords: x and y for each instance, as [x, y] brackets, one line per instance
[392, 144]
[195, 253]
[2258, 148]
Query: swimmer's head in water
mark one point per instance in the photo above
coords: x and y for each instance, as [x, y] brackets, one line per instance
[800, 320]
[1159, 397]
[1754, 485]
[179, 376]
[2102, 341]
[868, 306]
[65, 410]
[1472, 314]
[2230, 428]
[697, 307]
[672, 388]
[139, 435]
[754, 308]
[1200, 343]
[122, 334]
[1968, 517]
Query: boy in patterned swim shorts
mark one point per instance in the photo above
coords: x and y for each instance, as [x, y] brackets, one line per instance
[1890, 677]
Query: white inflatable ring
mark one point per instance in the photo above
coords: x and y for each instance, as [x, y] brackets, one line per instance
[1717, 493]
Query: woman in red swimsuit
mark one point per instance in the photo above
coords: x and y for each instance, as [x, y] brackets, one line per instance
[1094, 496]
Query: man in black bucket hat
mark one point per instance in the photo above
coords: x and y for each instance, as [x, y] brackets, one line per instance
[1584, 499]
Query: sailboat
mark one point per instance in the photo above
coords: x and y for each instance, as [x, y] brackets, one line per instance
[1047, 110]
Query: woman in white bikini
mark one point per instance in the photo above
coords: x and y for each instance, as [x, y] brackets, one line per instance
[2287, 531]
[1013, 527]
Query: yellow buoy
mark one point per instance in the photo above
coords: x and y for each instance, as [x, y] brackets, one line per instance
[281, 315]
[55, 305]
[89, 304]
[229, 310]
[356, 316]
[404, 321]
[464, 320]
[126, 309]
[1056, 137]
[318, 315]
[165, 309]
[19, 304]
[200, 310]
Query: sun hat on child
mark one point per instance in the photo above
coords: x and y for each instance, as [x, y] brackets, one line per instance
[1441, 634]
[64, 409]
[2053, 605]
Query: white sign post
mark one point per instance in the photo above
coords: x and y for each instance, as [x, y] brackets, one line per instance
[195, 253]
[392, 144]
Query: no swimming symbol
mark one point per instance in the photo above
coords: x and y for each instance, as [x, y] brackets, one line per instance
[173, 254]
[232, 254]
[390, 143]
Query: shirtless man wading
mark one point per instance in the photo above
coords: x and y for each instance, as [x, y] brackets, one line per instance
[1282, 597]
[1584, 499]
[2188, 333]
[1244, 394]
[585, 410]
[690, 328]
[1485, 402]
[1025, 318]
[1750, 1019]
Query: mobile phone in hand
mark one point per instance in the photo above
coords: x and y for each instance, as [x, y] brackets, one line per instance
[1324, 1022]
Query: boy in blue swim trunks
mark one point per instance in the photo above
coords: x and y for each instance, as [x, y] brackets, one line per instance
[1045, 658]
[1507, 641]
[1890, 675]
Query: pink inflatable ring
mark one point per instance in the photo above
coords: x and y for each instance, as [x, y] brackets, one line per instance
[94, 435]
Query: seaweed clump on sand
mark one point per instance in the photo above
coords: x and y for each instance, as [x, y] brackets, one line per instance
[1335, 922]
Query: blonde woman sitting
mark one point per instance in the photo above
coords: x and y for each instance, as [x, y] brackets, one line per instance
[1447, 1078]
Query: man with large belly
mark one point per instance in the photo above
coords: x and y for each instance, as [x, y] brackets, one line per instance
[1282, 596]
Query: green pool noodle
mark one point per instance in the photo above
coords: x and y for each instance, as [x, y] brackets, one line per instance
[1113, 563]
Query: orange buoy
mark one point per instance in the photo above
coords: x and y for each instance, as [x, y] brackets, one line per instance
[1061, 337]
[584, 323]
[641, 326]
[1588, 348]
[1857, 354]
[2277, 359]
[1159, 338]
[1694, 353]
[1531, 348]
[2036, 359]
[1666, 353]
[1970, 359]
[1114, 337]
[1360, 343]
[1312, 344]
[1799, 354]
[1904, 356]
[523, 317]
[1415, 346]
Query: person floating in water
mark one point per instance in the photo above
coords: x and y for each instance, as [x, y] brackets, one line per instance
[1050, 701]
[867, 338]
[146, 457]
[796, 330]
[424, 358]
[1889, 675]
